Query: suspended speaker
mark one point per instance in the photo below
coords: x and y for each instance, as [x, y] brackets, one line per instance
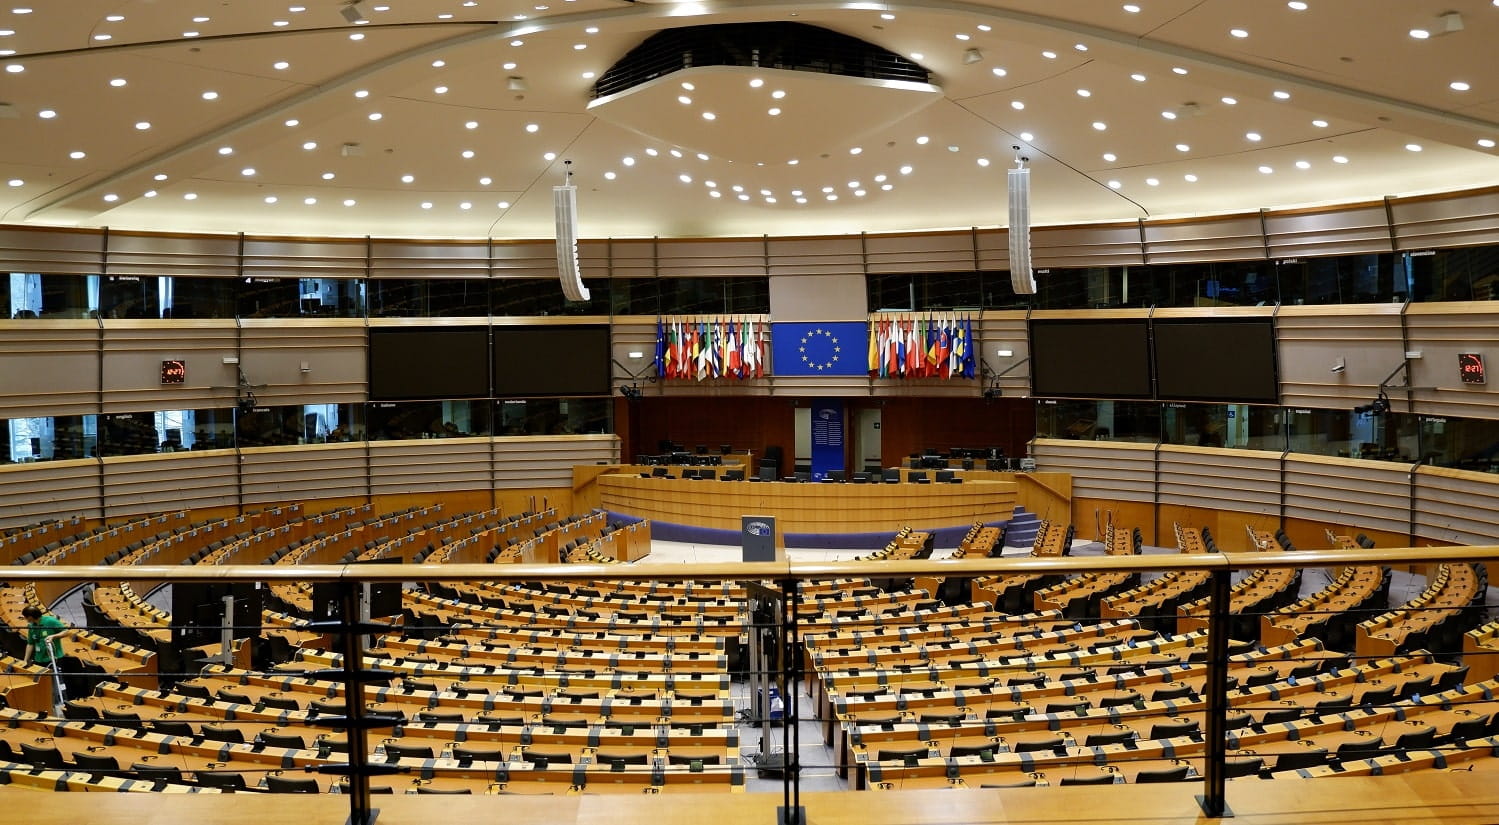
[565, 209]
[1021, 276]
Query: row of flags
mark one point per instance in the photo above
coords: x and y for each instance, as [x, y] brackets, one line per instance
[885, 346]
[701, 348]
[937, 346]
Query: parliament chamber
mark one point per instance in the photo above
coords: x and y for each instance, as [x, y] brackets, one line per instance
[771, 466]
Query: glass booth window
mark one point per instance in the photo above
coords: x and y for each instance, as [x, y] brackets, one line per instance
[398, 421]
[1135, 421]
[423, 298]
[1236, 426]
[1384, 437]
[1464, 443]
[542, 296]
[553, 416]
[1469, 273]
[1346, 279]
[48, 439]
[301, 297]
[37, 295]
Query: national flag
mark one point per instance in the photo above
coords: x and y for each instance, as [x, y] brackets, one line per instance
[872, 359]
[970, 355]
[914, 349]
[933, 348]
[819, 348]
[660, 347]
[944, 349]
[955, 356]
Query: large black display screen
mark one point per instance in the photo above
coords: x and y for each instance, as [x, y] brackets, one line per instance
[407, 363]
[1077, 358]
[1215, 360]
[534, 362]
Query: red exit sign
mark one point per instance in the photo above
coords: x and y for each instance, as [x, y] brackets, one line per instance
[1470, 367]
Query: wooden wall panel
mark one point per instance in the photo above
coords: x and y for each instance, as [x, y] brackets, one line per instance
[1456, 506]
[815, 256]
[1345, 491]
[1311, 339]
[312, 471]
[51, 251]
[1227, 238]
[132, 253]
[30, 493]
[290, 258]
[1245, 481]
[1343, 230]
[994, 250]
[747, 424]
[150, 483]
[48, 368]
[926, 252]
[546, 461]
[1458, 219]
[133, 352]
[429, 466]
[434, 259]
[1439, 332]
[1105, 244]
[633, 258]
[523, 259]
[272, 352]
[709, 258]
[912, 425]
[1112, 470]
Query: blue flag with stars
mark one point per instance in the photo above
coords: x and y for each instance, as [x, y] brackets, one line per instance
[819, 348]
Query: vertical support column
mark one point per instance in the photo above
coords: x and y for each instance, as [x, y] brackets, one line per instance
[790, 812]
[1212, 798]
[353, 662]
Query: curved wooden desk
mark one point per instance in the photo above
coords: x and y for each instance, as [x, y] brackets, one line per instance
[808, 508]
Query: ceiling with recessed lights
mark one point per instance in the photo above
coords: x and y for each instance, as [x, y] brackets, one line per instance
[453, 118]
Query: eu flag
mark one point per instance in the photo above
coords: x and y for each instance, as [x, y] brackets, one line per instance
[820, 348]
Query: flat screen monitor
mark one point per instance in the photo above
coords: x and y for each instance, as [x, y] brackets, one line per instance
[552, 361]
[1090, 358]
[419, 363]
[1225, 360]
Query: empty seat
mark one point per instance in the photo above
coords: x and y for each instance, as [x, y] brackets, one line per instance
[1243, 766]
[1176, 773]
[474, 753]
[1054, 743]
[282, 784]
[219, 733]
[1163, 694]
[282, 740]
[95, 761]
[222, 781]
[1098, 779]
[1113, 737]
[428, 789]
[398, 751]
[156, 773]
[41, 756]
[1174, 728]
[1022, 783]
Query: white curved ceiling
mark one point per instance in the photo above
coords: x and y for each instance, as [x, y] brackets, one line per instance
[281, 117]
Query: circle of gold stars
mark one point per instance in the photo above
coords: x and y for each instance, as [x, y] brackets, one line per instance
[819, 333]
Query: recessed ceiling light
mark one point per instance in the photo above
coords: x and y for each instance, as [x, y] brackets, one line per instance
[485, 181]
[1131, 8]
[709, 116]
[1016, 105]
[1178, 70]
[280, 23]
[702, 156]
[1296, 5]
[441, 90]
[685, 178]
[310, 145]
[1230, 101]
[773, 111]
[1281, 95]
[467, 154]
[149, 193]
[856, 150]
[792, 162]
[280, 65]
[917, 56]
[1182, 147]
[1265, 170]
[1189, 178]
[1339, 159]
[832, 197]
[549, 157]
[426, 204]
[1239, 33]
[1049, 55]
[999, 71]
[438, 64]
[886, 187]
[983, 28]
[293, 122]
[715, 194]
[1152, 182]
[1114, 184]
[609, 176]
[115, 18]
[190, 196]
[651, 152]
[962, 36]
[1137, 77]
[684, 100]
[159, 176]
[533, 128]
[1084, 93]
[714, 184]
[117, 82]
[375, 115]
[472, 124]
[591, 30]
[77, 155]
[1082, 47]
[362, 93]
[688, 86]
[210, 95]
[503, 204]
[588, 75]
[1486, 143]
[778, 94]
[200, 19]
[1110, 157]
[349, 201]
[983, 161]
[517, 42]
[580, 46]
[102, 37]
[447, 15]
[248, 171]
[143, 125]
[297, 9]
[1301, 164]
[226, 150]
[1027, 137]
[887, 16]
[407, 178]
[1320, 124]
[905, 170]
[310, 201]
[1100, 125]
[676, 153]
[328, 176]
[1420, 34]
[16, 182]
[1413, 147]
[1169, 115]
[627, 160]
[853, 184]
[270, 198]
[1254, 136]
[1459, 86]
[46, 114]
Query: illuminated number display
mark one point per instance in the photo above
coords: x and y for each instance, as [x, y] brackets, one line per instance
[173, 372]
[1470, 367]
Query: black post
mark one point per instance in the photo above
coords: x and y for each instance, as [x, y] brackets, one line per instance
[1212, 799]
[360, 812]
[791, 812]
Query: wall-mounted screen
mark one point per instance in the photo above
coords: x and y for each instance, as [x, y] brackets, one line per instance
[1087, 358]
[532, 362]
[1218, 359]
[407, 363]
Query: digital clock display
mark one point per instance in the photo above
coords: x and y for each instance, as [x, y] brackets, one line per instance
[1470, 367]
[173, 372]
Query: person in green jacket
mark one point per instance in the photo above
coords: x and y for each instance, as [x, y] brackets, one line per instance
[43, 636]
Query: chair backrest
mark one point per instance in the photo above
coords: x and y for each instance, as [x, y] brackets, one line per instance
[282, 784]
[222, 781]
[1177, 773]
[95, 761]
